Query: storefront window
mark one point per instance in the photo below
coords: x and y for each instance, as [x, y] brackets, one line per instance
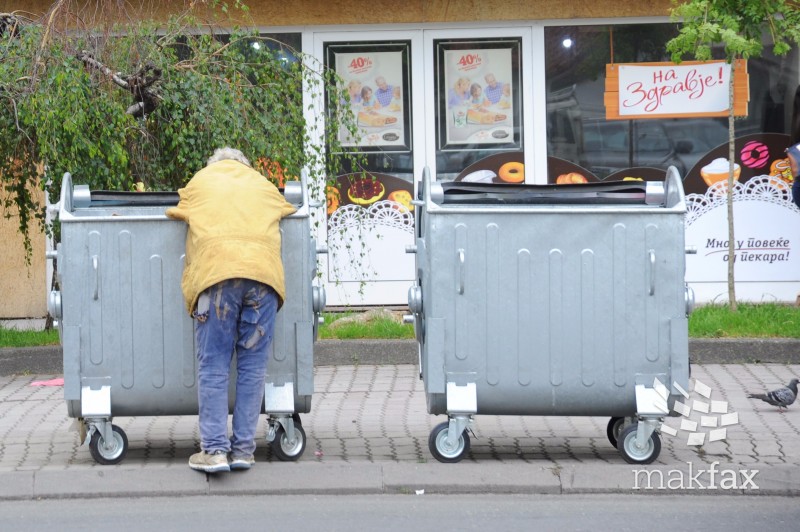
[578, 132]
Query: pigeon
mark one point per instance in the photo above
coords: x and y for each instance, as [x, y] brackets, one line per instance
[782, 397]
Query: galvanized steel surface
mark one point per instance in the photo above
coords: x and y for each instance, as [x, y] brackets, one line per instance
[551, 309]
[122, 316]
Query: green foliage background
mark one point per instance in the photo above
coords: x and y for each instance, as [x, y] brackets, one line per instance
[58, 115]
[737, 26]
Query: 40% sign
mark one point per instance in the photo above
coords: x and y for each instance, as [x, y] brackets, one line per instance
[469, 61]
[360, 64]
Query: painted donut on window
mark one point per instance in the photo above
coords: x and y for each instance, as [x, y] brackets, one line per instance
[512, 172]
[755, 154]
[574, 178]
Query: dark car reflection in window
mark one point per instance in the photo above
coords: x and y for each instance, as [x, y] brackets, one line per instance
[609, 146]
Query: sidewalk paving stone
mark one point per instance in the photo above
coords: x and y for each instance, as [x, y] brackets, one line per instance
[368, 432]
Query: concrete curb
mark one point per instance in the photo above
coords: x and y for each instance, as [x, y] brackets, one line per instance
[310, 478]
[354, 352]
[744, 350]
[47, 360]
[41, 360]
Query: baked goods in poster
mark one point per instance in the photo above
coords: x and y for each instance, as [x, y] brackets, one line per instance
[482, 116]
[366, 118]
[512, 172]
[718, 170]
[403, 197]
[365, 190]
[571, 178]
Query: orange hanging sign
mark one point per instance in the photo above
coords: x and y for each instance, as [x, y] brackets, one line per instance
[671, 90]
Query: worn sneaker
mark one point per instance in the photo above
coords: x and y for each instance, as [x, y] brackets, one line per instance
[242, 461]
[216, 462]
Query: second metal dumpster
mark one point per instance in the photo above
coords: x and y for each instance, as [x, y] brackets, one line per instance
[551, 300]
[128, 342]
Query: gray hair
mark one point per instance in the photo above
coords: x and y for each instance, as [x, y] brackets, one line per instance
[221, 154]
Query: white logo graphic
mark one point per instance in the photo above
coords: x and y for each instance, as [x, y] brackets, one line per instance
[676, 479]
[698, 414]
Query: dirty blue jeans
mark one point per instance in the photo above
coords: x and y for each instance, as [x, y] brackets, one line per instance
[237, 314]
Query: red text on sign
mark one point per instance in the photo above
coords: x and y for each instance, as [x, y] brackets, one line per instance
[666, 83]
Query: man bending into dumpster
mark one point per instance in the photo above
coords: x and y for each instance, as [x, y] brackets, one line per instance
[233, 283]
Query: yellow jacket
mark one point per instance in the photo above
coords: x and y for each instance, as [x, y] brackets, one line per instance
[233, 214]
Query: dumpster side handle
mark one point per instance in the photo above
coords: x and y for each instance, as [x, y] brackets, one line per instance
[461, 271]
[96, 277]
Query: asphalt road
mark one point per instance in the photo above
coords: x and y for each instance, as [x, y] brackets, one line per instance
[407, 512]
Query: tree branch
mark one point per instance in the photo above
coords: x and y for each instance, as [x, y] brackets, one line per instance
[140, 84]
[88, 60]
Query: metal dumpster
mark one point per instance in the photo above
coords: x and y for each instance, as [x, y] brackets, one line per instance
[128, 342]
[551, 300]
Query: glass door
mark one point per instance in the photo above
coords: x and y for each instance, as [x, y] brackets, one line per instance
[459, 101]
[369, 219]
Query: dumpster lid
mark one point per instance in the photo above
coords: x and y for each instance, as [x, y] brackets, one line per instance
[605, 193]
[113, 198]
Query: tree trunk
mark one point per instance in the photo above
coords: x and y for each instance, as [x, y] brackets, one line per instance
[729, 193]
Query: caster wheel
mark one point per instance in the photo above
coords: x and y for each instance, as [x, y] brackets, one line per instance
[634, 454]
[437, 443]
[112, 452]
[615, 425]
[288, 451]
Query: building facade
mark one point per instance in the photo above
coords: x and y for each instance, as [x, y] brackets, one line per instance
[468, 88]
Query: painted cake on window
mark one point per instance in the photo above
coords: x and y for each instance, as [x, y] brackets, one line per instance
[365, 190]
